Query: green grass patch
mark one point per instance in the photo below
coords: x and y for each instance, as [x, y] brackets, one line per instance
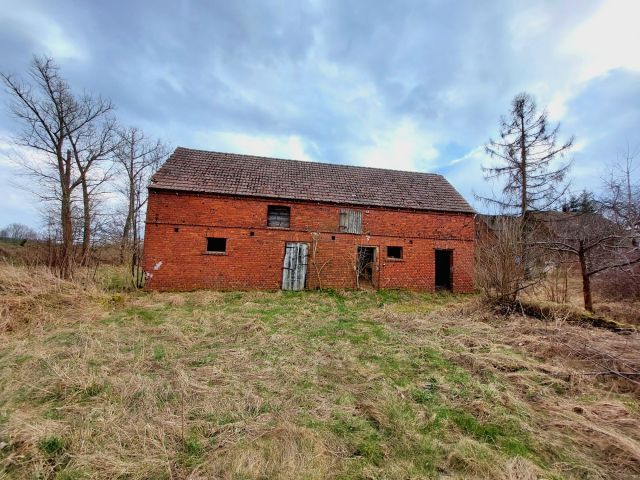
[93, 390]
[52, 446]
[71, 474]
[362, 436]
[159, 353]
[149, 316]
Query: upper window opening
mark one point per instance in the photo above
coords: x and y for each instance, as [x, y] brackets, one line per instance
[215, 244]
[394, 252]
[351, 221]
[278, 216]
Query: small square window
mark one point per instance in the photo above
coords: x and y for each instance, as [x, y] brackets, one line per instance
[218, 245]
[394, 252]
[278, 216]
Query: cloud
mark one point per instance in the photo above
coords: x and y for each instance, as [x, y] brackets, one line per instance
[605, 118]
[399, 147]
[17, 204]
[290, 147]
[417, 85]
[608, 40]
[465, 173]
[42, 30]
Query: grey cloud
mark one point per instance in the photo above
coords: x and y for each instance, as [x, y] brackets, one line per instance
[605, 115]
[332, 73]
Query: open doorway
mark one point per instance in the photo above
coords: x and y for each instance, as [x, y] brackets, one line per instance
[365, 266]
[444, 267]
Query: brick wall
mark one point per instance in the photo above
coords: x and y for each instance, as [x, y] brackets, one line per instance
[178, 225]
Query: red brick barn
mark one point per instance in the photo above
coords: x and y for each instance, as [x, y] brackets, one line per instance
[224, 221]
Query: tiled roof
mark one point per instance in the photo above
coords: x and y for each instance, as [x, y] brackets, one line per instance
[247, 175]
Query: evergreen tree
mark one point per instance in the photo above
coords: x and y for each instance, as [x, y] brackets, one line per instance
[526, 149]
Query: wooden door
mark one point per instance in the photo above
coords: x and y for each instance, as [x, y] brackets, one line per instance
[294, 270]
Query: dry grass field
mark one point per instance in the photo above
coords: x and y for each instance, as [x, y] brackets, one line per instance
[555, 287]
[97, 383]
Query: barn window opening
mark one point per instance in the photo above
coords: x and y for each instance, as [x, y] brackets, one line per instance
[278, 216]
[251, 234]
[217, 245]
[176, 229]
[351, 221]
[394, 252]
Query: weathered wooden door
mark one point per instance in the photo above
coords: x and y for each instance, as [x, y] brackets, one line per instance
[294, 270]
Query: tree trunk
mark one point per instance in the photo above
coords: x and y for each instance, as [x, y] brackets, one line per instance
[67, 236]
[524, 233]
[66, 258]
[586, 280]
[86, 226]
[135, 258]
[523, 167]
[125, 246]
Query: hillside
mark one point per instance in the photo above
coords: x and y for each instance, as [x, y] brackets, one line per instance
[96, 383]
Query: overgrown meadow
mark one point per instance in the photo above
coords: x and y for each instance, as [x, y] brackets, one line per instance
[100, 382]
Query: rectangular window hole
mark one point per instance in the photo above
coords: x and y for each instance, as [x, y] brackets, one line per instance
[333, 237]
[394, 252]
[251, 234]
[176, 229]
[278, 216]
[215, 244]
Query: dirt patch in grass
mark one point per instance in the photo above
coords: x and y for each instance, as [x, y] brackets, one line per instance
[304, 385]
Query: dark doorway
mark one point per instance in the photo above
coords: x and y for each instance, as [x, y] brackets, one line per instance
[444, 263]
[365, 265]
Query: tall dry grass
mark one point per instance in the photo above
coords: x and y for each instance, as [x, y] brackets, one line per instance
[564, 286]
[33, 295]
[101, 384]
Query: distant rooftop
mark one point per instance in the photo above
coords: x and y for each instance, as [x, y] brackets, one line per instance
[247, 175]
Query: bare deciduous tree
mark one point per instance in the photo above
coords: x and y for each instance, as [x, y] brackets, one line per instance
[91, 144]
[597, 244]
[500, 272]
[73, 135]
[318, 265]
[46, 107]
[18, 231]
[137, 159]
[622, 202]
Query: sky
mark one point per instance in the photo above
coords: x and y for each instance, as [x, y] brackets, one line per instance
[410, 85]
